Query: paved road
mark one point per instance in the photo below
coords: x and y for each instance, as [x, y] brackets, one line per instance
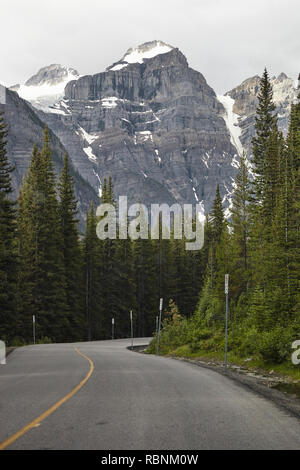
[132, 401]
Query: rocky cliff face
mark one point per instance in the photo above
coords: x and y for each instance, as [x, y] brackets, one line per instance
[151, 122]
[245, 101]
[25, 129]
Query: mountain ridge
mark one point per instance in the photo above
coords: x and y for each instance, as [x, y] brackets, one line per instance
[154, 124]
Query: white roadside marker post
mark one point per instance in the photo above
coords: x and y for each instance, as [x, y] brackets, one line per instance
[131, 327]
[33, 328]
[2, 353]
[159, 326]
[226, 318]
[113, 328]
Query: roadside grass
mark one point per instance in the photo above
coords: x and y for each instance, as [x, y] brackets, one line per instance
[286, 369]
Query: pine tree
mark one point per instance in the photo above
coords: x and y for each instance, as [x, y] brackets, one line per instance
[217, 216]
[274, 170]
[93, 300]
[287, 227]
[8, 255]
[147, 294]
[293, 138]
[125, 283]
[264, 123]
[267, 160]
[217, 225]
[164, 267]
[215, 251]
[186, 275]
[40, 248]
[27, 225]
[240, 217]
[110, 299]
[72, 256]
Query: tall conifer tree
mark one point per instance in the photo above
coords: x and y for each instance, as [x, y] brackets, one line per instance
[72, 256]
[40, 241]
[264, 123]
[8, 254]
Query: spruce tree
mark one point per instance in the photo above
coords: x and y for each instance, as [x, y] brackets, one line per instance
[72, 256]
[93, 302]
[264, 123]
[8, 254]
[146, 265]
[293, 138]
[240, 223]
[110, 299]
[287, 228]
[40, 247]
[125, 284]
[147, 294]
[217, 216]
[217, 225]
[266, 146]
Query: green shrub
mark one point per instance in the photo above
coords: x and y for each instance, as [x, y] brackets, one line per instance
[196, 336]
[44, 340]
[17, 341]
[247, 342]
[183, 351]
[275, 345]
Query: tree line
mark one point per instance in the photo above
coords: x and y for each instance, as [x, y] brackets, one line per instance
[259, 248]
[74, 284]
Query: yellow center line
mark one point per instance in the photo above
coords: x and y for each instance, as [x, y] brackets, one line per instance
[39, 419]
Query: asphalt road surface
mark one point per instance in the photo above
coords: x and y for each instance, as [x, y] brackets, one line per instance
[114, 398]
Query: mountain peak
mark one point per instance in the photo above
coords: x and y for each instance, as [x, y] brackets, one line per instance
[47, 86]
[282, 76]
[52, 75]
[148, 50]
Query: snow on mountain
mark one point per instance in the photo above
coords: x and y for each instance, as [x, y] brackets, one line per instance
[2, 94]
[138, 54]
[244, 103]
[232, 122]
[147, 125]
[47, 87]
[284, 90]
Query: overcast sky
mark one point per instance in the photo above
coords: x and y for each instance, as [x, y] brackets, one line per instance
[227, 40]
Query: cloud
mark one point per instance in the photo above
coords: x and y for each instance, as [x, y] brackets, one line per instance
[227, 41]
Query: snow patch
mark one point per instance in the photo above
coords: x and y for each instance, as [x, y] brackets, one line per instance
[100, 183]
[231, 120]
[138, 54]
[118, 67]
[205, 160]
[249, 167]
[201, 212]
[157, 154]
[109, 102]
[235, 163]
[55, 111]
[195, 194]
[90, 138]
[89, 152]
[228, 196]
[144, 136]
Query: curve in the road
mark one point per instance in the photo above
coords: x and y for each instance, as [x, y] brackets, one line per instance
[50, 410]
